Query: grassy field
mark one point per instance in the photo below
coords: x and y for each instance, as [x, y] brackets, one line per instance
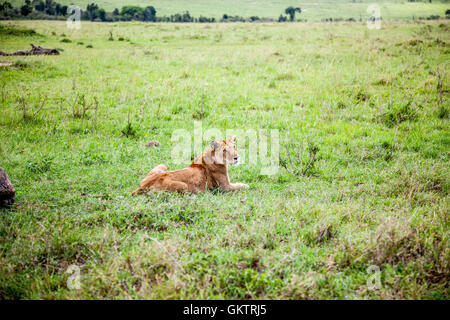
[377, 197]
[312, 10]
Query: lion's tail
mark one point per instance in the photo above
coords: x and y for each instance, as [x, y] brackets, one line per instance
[149, 179]
[137, 192]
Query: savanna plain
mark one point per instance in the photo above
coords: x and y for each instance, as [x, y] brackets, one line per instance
[367, 220]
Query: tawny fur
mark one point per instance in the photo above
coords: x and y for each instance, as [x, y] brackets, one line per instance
[207, 171]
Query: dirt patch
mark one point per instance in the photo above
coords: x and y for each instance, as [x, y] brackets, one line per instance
[5, 64]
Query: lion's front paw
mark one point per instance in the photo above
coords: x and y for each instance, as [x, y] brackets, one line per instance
[243, 185]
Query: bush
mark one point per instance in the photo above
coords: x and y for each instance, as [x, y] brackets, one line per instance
[129, 131]
[39, 166]
[16, 31]
[443, 112]
[282, 18]
[237, 283]
[89, 158]
[131, 12]
[396, 115]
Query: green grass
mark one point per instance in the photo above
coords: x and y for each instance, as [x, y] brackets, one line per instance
[312, 10]
[378, 194]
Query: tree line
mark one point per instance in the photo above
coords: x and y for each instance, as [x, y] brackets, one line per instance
[52, 10]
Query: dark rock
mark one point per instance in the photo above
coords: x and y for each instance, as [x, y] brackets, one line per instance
[7, 191]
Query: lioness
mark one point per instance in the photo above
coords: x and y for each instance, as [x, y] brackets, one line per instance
[207, 171]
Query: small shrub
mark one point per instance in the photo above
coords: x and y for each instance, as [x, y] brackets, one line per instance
[65, 40]
[176, 109]
[285, 76]
[293, 160]
[413, 42]
[433, 17]
[39, 166]
[381, 82]
[200, 114]
[442, 112]
[396, 115]
[362, 96]
[16, 31]
[89, 158]
[21, 64]
[386, 145]
[129, 130]
[238, 283]
[272, 84]
[323, 234]
[80, 107]
[341, 105]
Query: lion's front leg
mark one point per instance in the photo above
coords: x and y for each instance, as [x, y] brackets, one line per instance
[223, 182]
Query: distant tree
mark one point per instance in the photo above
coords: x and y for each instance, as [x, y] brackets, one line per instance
[26, 9]
[39, 5]
[58, 9]
[8, 10]
[447, 12]
[5, 6]
[132, 12]
[187, 17]
[175, 17]
[203, 19]
[93, 12]
[50, 7]
[101, 14]
[149, 14]
[291, 12]
[91, 7]
[116, 12]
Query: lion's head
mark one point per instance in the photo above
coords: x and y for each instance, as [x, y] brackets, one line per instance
[224, 151]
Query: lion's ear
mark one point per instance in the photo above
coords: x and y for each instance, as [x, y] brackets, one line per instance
[214, 145]
[232, 139]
